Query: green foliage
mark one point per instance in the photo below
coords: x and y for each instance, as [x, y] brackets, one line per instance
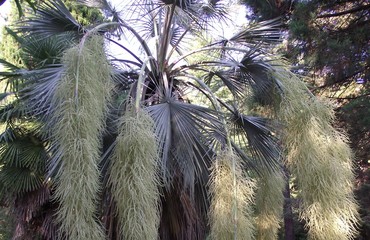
[9, 46]
[268, 9]
[354, 116]
[6, 224]
[83, 14]
[359, 109]
[325, 28]
[299, 25]
[329, 37]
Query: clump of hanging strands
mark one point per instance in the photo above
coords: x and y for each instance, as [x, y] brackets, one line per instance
[269, 202]
[231, 214]
[270, 185]
[320, 159]
[134, 178]
[231, 191]
[79, 106]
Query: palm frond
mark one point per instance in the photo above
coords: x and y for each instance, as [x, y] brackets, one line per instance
[262, 32]
[198, 14]
[24, 153]
[9, 66]
[12, 112]
[103, 5]
[51, 18]
[182, 4]
[30, 3]
[33, 88]
[260, 140]
[214, 11]
[14, 35]
[235, 86]
[8, 135]
[13, 76]
[39, 51]
[253, 72]
[23, 158]
[182, 131]
[20, 180]
[40, 88]
[4, 95]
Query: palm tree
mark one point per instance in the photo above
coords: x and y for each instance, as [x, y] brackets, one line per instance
[169, 142]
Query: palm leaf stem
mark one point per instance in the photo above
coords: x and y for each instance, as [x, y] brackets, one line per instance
[94, 31]
[206, 49]
[206, 63]
[142, 43]
[127, 62]
[140, 81]
[206, 91]
[126, 49]
[166, 35]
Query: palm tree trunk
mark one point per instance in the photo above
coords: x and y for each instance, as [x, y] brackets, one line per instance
[180, 218]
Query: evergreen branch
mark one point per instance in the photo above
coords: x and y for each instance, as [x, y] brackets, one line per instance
[353, 10]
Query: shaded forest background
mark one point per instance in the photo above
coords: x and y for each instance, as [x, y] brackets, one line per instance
[328, 44]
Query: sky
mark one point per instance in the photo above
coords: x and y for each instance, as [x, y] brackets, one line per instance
[4, 10]
[237, 13]
[225, 30]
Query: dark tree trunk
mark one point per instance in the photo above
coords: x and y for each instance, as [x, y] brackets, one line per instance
[181, 218]
[288, 213]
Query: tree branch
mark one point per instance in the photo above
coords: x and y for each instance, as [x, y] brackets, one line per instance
[350, 98]
[345, 79]
[357, 9]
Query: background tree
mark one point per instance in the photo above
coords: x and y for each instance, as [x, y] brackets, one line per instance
[329, 38]
[328, 41]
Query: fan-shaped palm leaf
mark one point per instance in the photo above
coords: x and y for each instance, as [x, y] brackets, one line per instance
[182, 130]
[262, 32]
[39, 51]
[51, 18]
[259, 138]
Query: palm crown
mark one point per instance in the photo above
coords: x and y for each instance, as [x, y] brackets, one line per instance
[171, 142]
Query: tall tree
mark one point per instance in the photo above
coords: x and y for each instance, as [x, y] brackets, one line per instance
[327, 38]
[329, 42]
[131, 154]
